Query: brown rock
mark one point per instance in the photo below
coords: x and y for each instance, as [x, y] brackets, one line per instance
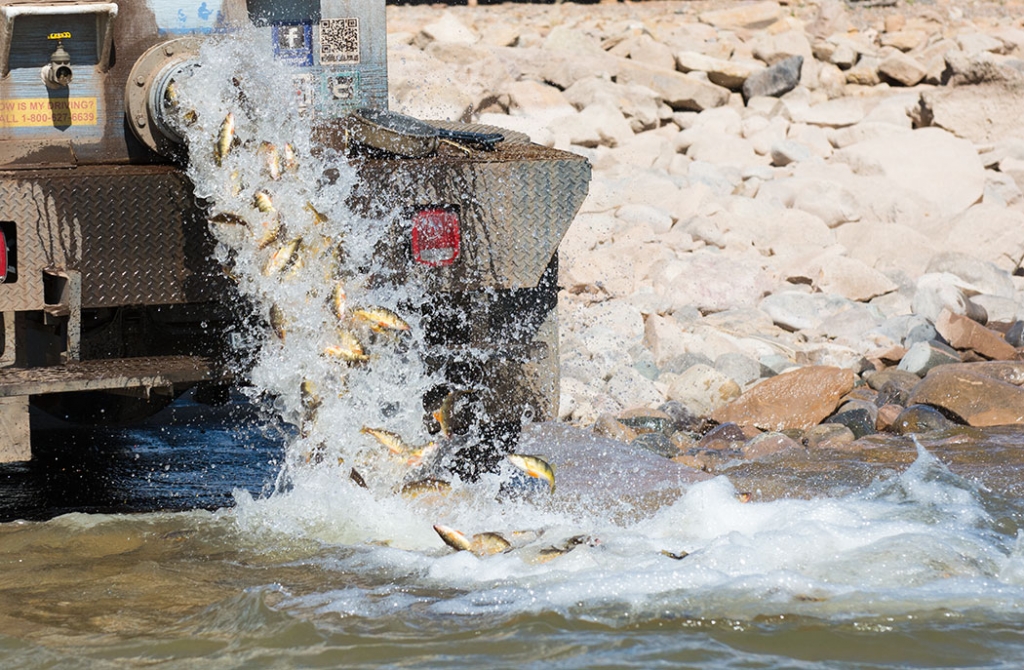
[978, 399]
[726, 436]
[1009, 372]
[608, 426]
[887, 416]
[677, 90]
[963, 333]
[902, 69]
[827, 435]
[767, 444]
[797, 399]
[904, 379]
[904, 40]
[752, 16]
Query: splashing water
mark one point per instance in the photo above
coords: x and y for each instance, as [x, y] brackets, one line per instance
[306, 263]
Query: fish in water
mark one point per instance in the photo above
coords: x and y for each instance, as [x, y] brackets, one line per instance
[534, 466]
[380, 319]
[348, 349]
[263, 202]
[227, 219]
[267, 232]
[225, 137]
[481, 544]
[318, 216]
[338, 301]
[271, 159]
[549, 553]
[393, 441]
[289, 161]
[425, 486]
[278, 322]
[310, 404]
[283, 257]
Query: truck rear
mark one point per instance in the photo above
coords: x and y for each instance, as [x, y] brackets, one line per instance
[111, 301]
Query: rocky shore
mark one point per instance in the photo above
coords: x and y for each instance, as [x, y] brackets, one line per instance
[806, 221]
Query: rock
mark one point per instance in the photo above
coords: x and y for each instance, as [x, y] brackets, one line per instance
[985, 276]
[904, 40]
[833, 114]
[682, 416]
[827, 436]
[920, 419]
[860, 421]
[924, 356]
[677, 90]
[713, 282]
[738, 367]
[978, 399]
[725, 436]
[650, 52]
[537, 100]
[775, 80]
[853, 279]
[607, 426]
[902, 379]
[931, 162]
[722, 149]
[990, 232]
[597, 125]
[787, 151]
[751, 16]
[1015, 334]
[984, 113]
[965, 334]
[774, 48]
[864, 73]
[656, 443]
[446, 29]
[628, 386]
[726, 73]
[937, 291]
[797, 399]
[1009, 372]
[767, 444]
[887, 415]
[794, 310]
[702, 389]
[902, 69]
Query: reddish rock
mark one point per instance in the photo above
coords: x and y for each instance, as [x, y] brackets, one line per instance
[797, 399]
[887, 416]
[965, 334]
[767, 444]
[726, 436]
[978, 399]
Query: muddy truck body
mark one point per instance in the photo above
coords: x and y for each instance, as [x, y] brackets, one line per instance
[111, 304]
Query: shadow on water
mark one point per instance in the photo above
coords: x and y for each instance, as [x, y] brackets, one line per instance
[189, 456]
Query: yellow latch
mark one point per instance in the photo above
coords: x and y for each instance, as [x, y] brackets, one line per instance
[59, 36]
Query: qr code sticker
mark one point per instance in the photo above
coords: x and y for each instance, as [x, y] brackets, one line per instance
[339, 41]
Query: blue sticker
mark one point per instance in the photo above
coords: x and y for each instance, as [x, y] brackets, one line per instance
[293, 43]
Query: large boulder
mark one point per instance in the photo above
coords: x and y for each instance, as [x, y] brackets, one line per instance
[797, 399]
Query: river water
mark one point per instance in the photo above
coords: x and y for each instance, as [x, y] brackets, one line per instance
[237, 538]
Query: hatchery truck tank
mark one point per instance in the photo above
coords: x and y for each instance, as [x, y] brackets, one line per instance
[110, 303]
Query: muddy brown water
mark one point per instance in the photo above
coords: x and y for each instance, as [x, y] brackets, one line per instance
[879, 556]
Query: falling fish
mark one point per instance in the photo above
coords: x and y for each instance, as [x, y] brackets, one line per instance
[380, 319]
[393, 441]
[443, 414]
[267, 232]
[675, 555]
[225, 137]
[271, 159]
[262, 201]
[548, 553]
[338, 301]
[481, 544]
[283, 257]
[278, 323]
[534, 467]
[348, 348]
[310, 405]
[318, 216]
[425, 486]
[288, 159]
[227, 219]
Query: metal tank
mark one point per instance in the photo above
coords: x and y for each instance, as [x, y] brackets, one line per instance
[109, 302]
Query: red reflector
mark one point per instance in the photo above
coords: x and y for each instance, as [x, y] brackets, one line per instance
[3, 257]
[435, 237]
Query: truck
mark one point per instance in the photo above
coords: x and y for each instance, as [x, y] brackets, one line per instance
[111, 304]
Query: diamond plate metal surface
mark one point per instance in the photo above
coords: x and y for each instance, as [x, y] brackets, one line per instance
[516, 204]
[133, 232]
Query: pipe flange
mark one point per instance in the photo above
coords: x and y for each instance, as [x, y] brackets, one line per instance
[149, 106]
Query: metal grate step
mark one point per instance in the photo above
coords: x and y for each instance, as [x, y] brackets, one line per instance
[100, 375]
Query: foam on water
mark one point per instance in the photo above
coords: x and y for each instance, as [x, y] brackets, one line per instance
[922, 540]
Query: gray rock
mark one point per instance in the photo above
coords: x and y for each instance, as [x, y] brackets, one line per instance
[787, 151]
[924, 356]
[775, 80]
[1015, 334]
[682, 363]
[739, 368]
[920, 419]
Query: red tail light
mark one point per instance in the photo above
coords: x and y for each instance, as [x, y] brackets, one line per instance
[435, 236]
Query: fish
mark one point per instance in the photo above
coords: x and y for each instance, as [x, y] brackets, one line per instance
[278, 322]
[318, 216]
[393, 441]
[357, 478]
[283, 257]
[380, 319]
[289, 161]
[271, 158]
[338, 301]
[225, 137]
[267, 232]
[548, 553]
[310, 402]
[444, 414]
[676, 555]
[481, 544]
[227, 219]
[425, 486]
[744, 496]
[262, 201]
[348, 348]
[417, 455]
[534, 466]
[236, 183]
